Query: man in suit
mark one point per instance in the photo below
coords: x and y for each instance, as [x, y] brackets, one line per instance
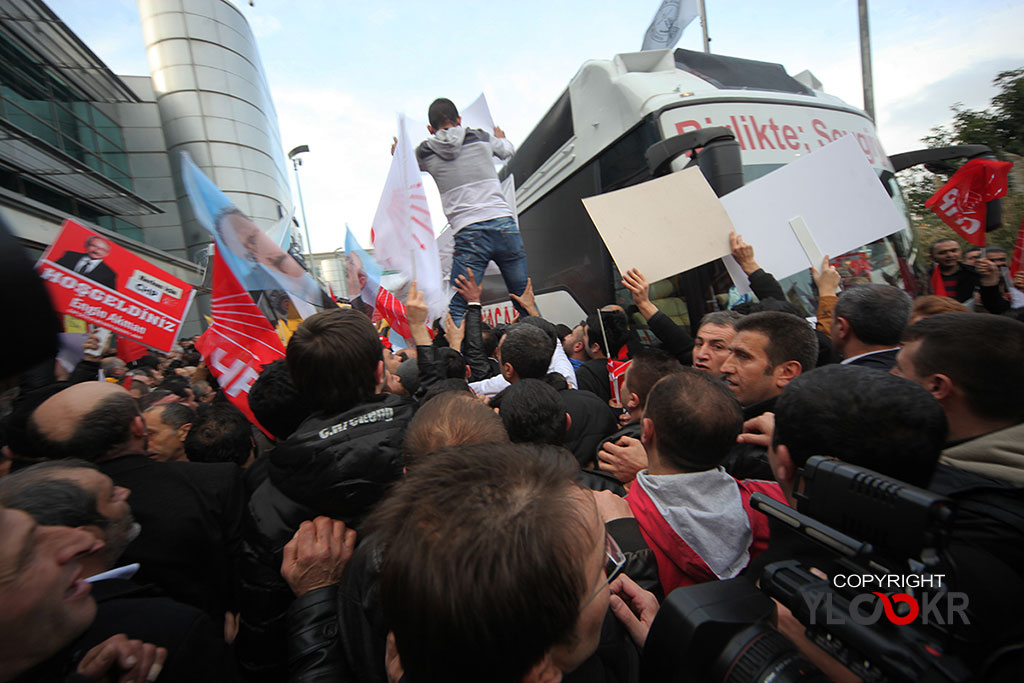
[867, 324]
[190, 513]
[90, 264]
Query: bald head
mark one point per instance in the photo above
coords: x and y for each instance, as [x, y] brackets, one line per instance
[90, 420]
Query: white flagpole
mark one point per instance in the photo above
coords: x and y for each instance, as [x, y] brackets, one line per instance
[704, 26]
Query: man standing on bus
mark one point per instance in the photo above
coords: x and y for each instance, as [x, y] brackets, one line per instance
[461, 162]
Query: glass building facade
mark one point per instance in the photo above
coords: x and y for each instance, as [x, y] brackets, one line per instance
[39, 103]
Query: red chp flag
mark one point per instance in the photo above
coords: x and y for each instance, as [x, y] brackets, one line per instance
[239, 342]
[1017, 260]
[617, 377]
[960, 203]
[393, 310]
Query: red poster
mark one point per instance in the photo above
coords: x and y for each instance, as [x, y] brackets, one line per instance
[239, 342]
[90, 277]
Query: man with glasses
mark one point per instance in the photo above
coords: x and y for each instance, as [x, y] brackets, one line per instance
[695, 517]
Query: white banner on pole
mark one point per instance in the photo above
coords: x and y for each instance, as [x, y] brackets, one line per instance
[402, 233]
[669, 21]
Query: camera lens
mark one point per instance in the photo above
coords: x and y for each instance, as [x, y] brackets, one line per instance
[759, 653]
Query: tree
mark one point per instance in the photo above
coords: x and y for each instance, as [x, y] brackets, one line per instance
[1000, 127]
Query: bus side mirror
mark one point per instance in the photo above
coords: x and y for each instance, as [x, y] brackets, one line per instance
[714, 150]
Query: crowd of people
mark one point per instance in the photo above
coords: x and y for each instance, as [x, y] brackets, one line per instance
[483, 504]
[514, 503]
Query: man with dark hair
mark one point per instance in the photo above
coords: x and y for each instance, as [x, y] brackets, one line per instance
[714, 336]
[444, 626]
[335, 359]
[593, 374]
[622, 454]
[572, 344]
[180, 387]
[453, 365]
[973, 365]
[958, 280]
[996, 293]
[167, 425]
[190, 513]
[461, 162]
[867, 323]
[695, 517]
[864, 418]
[532, 412]
[769, 350]
[525, 353]
[337, 463]
[275, 403]
[971, 256]
[221, 434]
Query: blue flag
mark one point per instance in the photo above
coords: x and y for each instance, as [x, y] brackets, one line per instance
[256, 260]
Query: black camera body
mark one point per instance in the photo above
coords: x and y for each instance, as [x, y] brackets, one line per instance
[898, 620]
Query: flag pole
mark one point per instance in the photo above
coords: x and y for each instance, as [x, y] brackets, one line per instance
[865, 59]
[704, 26]
[600, 320]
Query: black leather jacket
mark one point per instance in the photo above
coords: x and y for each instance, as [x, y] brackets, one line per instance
[338, 466]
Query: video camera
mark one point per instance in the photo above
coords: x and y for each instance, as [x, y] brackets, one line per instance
[870, 583]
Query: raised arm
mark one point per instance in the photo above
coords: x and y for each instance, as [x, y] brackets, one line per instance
[500, 146]
[473, 341]
[763, 284]
[676, 339]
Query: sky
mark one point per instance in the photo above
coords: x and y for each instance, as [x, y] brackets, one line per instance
[340, 70]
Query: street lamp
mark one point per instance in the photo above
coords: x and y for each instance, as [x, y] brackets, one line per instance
[296, 162]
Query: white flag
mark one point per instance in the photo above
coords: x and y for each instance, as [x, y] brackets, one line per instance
[478, 115]
[402, 233]
[668, 24]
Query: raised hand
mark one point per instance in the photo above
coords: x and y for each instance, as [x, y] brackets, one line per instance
[526, 299]
[317, 554]
[743, 253]
[468, 287]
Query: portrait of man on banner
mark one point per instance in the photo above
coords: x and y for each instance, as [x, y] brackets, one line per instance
[90, 262]
[256, 260]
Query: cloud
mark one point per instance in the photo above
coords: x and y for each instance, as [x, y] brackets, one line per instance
[263, 25]
[907, 118]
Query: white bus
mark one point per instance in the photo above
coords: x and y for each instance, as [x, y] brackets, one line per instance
[596, 137]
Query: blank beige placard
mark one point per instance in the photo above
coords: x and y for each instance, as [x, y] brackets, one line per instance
[664, 226]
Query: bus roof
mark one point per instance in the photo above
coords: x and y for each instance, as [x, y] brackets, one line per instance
[609, 97]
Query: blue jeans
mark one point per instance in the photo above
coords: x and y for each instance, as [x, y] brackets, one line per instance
[495, 240]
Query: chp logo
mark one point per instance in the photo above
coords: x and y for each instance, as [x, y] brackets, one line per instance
[932, 606]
